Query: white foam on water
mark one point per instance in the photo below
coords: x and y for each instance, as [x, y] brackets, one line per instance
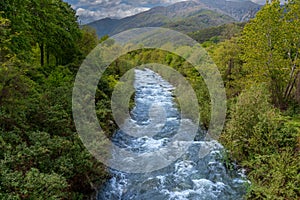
[198, 174]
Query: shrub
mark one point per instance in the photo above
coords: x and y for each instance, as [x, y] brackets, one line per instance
[264, 142]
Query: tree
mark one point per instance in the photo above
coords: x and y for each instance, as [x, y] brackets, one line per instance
[226, 55]
[270, 45]
[292, 46]
[41, 155]
[88, 41]
[50, 24]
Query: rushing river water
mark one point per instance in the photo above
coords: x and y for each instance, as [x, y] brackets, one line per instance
[194, 176]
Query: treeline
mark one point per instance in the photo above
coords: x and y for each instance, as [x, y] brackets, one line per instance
[41, 155]
[217, 34]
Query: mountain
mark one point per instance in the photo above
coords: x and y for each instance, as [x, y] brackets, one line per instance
[199, 20]
[241, 10]
[187, 16]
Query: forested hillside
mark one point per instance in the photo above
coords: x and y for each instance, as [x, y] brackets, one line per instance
[42, 48]
[41, 155]
[260, 68]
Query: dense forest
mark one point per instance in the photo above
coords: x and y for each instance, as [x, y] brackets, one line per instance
[42, 157]
[42, 47]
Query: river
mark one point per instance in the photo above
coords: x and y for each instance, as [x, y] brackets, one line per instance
[193, 176]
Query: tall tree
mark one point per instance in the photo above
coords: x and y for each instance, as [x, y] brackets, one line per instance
[270, 45]
[292, 46]
[226, 55]
[52, 24]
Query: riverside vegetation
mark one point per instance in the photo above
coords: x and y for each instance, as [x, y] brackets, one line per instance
[41, 49]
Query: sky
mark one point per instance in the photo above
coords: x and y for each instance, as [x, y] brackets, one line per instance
[91, 10]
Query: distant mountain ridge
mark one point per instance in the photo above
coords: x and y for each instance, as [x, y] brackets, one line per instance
[186, 16]
[240, 10]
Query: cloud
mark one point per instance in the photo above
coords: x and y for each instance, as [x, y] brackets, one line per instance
[91, 10]
[153, 2]
[102, 3]
[261, 2]
[120, 11]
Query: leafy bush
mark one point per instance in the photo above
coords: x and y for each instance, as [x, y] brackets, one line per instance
[265, 143]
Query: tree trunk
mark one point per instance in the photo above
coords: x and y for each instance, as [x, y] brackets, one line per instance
[56, 60]
[297, 95]
[47, 55]
[294, 84]
[42, 53]
[230, 67]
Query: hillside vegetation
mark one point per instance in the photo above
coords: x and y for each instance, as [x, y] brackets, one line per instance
[261, 71]
[42, 157]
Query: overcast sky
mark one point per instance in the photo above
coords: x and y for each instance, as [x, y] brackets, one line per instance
[91, 10]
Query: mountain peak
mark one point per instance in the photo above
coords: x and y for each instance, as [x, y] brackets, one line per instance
[183, 16]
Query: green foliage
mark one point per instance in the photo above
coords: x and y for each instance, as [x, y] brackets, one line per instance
[50, 24]
[223, 32]
[88, 41]
[139, 57]
[34, 185]
[275, 176]
[41, 155]
[226, 55]
[263, 63]
[245, 115]
[37, 132]
[265, 143]
[270, 45]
